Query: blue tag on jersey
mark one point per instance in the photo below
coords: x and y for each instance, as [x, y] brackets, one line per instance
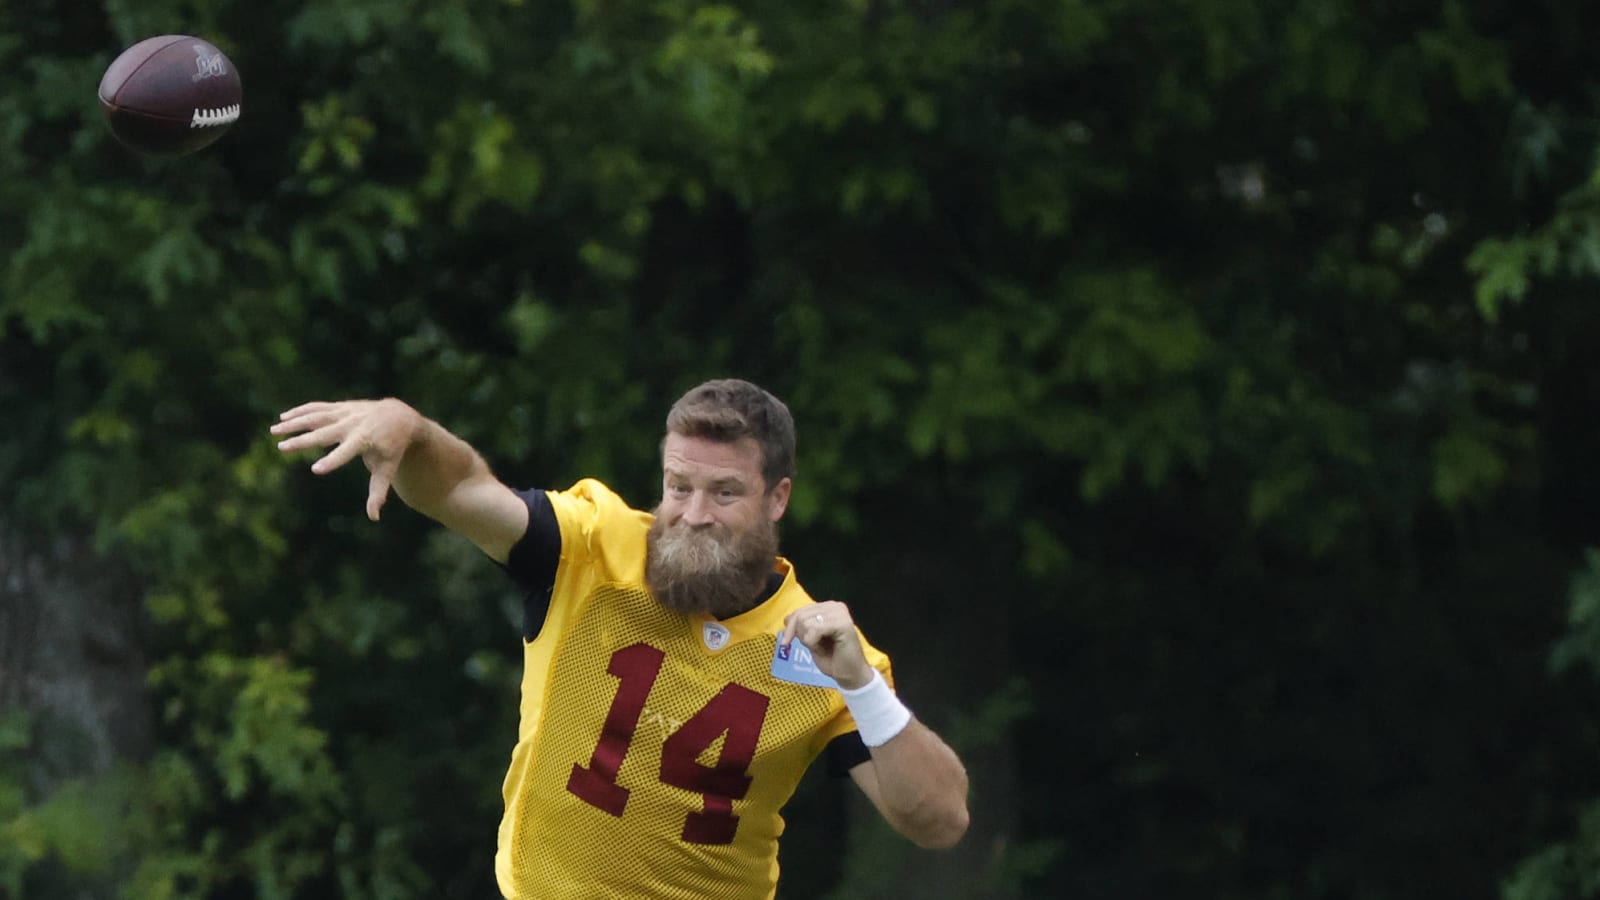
[794, 664]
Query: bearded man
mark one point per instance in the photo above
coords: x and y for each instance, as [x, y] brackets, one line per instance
[677, 679]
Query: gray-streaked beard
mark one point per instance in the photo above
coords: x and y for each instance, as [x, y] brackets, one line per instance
[709, 569]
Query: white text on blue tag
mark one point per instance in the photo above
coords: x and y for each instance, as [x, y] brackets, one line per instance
[794, 663]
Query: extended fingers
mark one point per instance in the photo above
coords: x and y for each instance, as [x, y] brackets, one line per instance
[320, 437]
[346, 451]
[316, 424]
[377, 493]
[306, 418]
[314, 406]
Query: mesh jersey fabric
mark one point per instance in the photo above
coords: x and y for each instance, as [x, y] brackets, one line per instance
[655, 749]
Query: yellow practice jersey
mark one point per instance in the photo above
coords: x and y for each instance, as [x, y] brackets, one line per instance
[655, 749]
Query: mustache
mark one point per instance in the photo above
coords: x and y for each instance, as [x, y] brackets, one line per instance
[712, 568]
[697, 549]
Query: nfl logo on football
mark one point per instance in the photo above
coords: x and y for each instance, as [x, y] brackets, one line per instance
[207, 65]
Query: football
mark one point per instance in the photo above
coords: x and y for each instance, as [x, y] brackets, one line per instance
[170, 95]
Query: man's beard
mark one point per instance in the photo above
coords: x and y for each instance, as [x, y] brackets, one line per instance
[709, 569]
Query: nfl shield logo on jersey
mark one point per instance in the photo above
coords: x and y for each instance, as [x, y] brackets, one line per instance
[714, 635]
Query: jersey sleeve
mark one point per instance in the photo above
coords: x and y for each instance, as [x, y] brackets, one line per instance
[588, 528]
[596, 527]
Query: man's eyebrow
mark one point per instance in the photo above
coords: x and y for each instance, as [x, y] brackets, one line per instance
[723, 481]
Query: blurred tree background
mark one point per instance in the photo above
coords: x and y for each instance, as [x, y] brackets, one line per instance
[1197, 399]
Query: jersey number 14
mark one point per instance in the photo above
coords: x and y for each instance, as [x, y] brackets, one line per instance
[736, 710]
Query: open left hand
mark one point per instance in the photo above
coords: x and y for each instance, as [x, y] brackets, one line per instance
[379, 431]
[827, 630]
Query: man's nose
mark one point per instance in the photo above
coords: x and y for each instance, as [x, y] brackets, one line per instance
[698, 510]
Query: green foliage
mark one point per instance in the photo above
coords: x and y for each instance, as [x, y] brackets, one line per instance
[1567, 246]
[1580, 647]
[1210, 341]
[22, 845]
[1566, 871]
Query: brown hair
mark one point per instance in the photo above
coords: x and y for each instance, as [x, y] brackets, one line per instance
[728, 409]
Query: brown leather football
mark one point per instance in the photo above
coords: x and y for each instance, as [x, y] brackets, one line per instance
[170, 95]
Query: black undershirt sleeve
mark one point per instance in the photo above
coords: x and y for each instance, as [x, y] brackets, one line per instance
[533, 559]
[845, 752]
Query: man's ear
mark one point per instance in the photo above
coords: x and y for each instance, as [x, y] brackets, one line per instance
[778, 499]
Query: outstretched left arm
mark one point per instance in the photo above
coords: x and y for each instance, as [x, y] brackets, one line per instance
[914, 779]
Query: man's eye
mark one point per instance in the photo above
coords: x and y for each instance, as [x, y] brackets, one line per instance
[679, 489]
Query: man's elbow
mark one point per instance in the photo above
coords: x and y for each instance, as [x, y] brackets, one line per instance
[936, 823]
[943, 832]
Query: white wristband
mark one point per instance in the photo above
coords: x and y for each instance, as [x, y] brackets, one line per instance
[879, 714]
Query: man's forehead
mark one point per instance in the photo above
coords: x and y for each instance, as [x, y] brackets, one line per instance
[703, 457]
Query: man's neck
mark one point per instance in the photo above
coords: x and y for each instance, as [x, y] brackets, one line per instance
[773, 583]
